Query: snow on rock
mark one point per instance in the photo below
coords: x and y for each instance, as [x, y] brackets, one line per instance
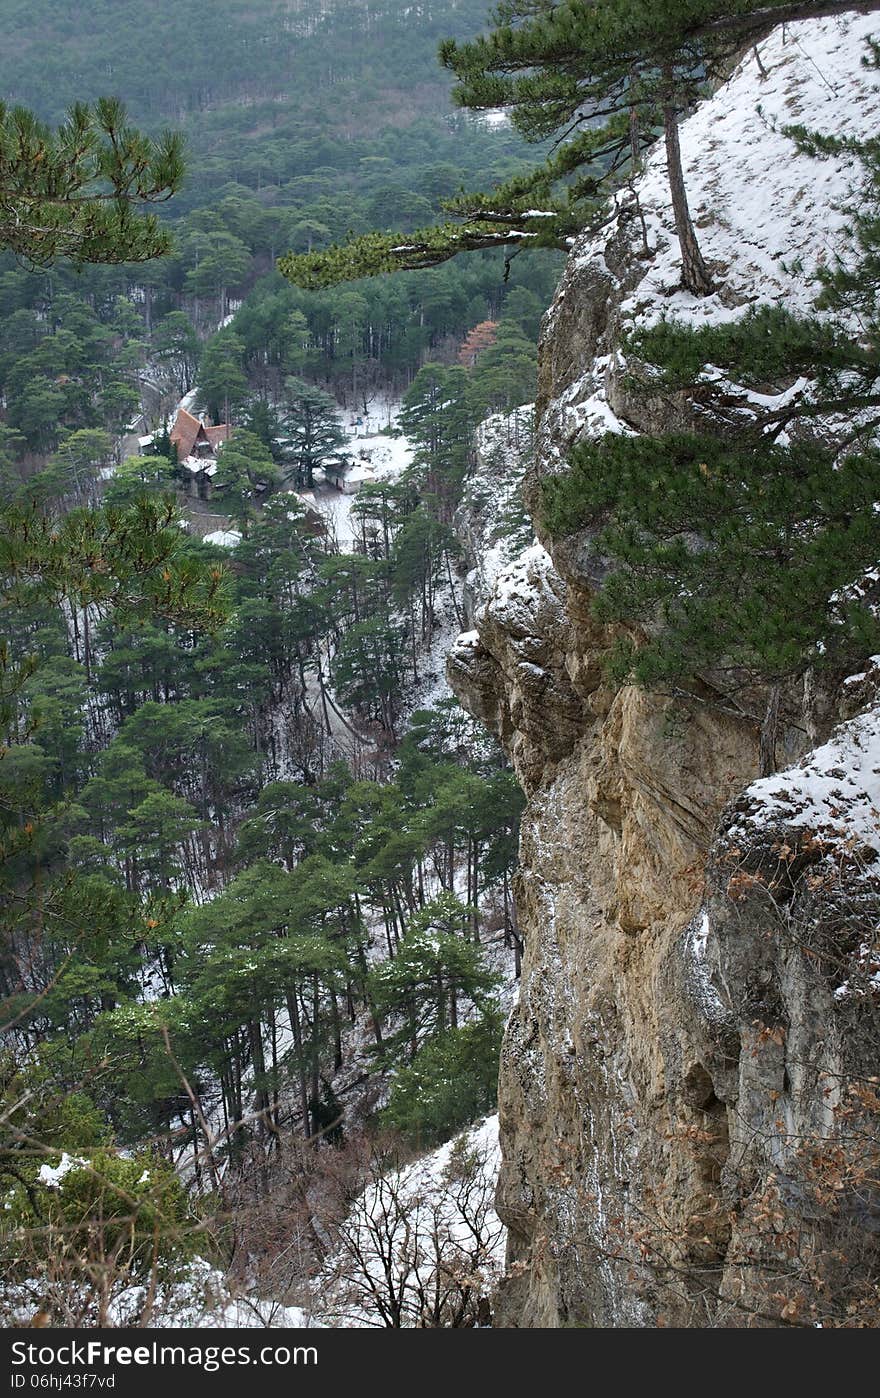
[764, 212]
[492, 521]
[521, 590]
[439, 1206]
[767, 217]
[519, 586]
[577, 416]
[833, 792]
[866, 981]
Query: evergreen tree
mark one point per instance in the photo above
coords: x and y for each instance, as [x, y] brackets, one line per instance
[137, 476]
[72, 474]
[223, 385]
[78, 192]
[244, 466]
[771, 346]
[740, 561]
[599, 76]
[176, 345]
[311, 431]
[505, 374]
[434, 973]
[747, 555]
[451, 1082]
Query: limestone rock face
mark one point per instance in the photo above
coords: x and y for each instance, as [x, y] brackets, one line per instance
[700, 986]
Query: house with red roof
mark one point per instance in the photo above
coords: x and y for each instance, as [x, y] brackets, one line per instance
[198, 441]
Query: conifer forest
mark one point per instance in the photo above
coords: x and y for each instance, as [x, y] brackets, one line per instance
[439, 664]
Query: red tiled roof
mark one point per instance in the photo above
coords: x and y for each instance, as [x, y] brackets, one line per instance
[189, 430]
[184, 433]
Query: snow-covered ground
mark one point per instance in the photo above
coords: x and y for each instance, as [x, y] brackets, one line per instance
[833, 792]
[440, 1206]
[766, 214]
[368, 442]
[415, 1226]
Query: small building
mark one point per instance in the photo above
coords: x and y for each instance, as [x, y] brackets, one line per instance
[358, 476]
[223, 538]
[342, 475]
[198, 441]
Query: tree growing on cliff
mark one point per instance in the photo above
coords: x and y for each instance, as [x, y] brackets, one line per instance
[601, 78]
[829, 363]
[739, 562]
[748, 553]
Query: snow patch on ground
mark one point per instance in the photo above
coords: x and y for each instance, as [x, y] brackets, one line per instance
[766, 215]
[52, 1175]
[369, 444]
[404, 1219]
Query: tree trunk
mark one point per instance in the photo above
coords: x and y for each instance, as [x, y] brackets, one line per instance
[769, 735]
[296, 1029]
[695, 274]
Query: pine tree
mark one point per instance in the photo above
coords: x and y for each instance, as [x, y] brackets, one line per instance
[738, 563]
[599, 77]
[771, 346]
[310, 424]
[78, 192]
[243, 465]
[223, 385]
[747, 555]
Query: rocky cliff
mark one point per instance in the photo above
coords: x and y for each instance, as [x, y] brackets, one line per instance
[686, 1095]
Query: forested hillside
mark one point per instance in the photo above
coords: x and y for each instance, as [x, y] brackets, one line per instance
[274, 907]
[257, 864]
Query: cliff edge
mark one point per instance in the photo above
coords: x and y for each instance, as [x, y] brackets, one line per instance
[688, 1082]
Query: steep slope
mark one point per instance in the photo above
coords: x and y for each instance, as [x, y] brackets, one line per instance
[698, 1012]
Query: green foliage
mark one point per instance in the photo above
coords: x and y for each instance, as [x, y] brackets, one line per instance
[244, 466]
[752, 551]
[433, 971]
[71, 474]
[135, 559]
[126, 1216]
[580, 70]
[451, 1082]
[505, 374]
[176, 345]
[373, 253]
[75, 192]
[223, 385]
[772, 346]
[182, 929]
[741, 556]
[312, 433]
[137, 476]
[439, 417]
